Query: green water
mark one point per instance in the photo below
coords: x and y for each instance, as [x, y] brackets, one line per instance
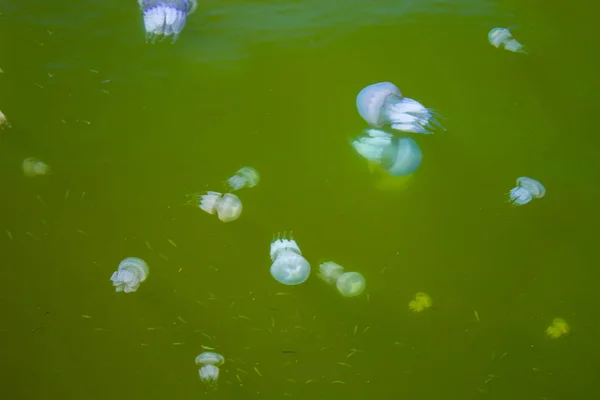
[131, 129]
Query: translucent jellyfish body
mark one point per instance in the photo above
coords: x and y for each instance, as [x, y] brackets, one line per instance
[349, 284]
[3, 121]
[34, 167]
[209, 373]
[289, 267]
[421, 302]
[398, 156]
[131, 272]
[227, 206]
[245, 177]
[163, 18]
[526, 190]
[381, 104]
[502, 38]
[558, 328]
[330, 271]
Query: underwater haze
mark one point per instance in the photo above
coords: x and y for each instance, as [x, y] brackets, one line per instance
[131, 131]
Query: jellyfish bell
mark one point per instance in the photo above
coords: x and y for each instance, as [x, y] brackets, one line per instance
[558, 328]
[381, 104]
[245, 177]
[289, 267]
[131, 272]
[209, 358]
[209, 373]
[228, 206]
[330, 271]
[350, 284]
[163, 18]
[502, 38]
[4, 121]
[526, 190]
[34, 167]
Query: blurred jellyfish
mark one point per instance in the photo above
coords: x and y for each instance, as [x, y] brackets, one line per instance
[3, 121]
[244, 177]
[131, 272]
[34, 167]
[227, 206]
[398, 156]
[330, 272]
[209, 373]
[165, 17]
[526, 190]
[289, 267]
[420, 303]
[558, 328]
[381, 104]
[501, 37]
[350, 284]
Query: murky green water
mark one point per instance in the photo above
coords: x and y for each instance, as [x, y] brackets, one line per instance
[131, 129]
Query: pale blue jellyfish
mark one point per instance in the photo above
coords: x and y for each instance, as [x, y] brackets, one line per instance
[398, 156]
[289, 267]
[349, 284]
[209, 373]
[163, 18]
[381, 104]
[245, 177]
[526, 190]
[227, 206]
[131, 272]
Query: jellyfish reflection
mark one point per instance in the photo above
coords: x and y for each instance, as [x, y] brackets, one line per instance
[349, 284]
[289, 267]
[244, 177]
[381, 104]
[501, 37]
[131, 272]
[163, 18]
[421, 302]
[526, 190]
[209, 373]
[227, 206]
[34, 167]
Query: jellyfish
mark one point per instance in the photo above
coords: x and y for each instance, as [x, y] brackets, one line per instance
[209, 373]
[34, 167]
[227, 206]
[330, 272]
[501, 37]
[3, 121]
[244, 177]
[381, 104]
[131, 272]
[397, 156]
[350, 284]
[420, 303]
[289, 267]
[165, 17]
[558, 328]
[526, 190]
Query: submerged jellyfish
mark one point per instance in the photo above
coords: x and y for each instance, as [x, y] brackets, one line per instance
[420, 303]
[558, 328]
[209, 373]
[398, 156]
[289, 267]
[381, 104]
[3, 121]
[34, 167]
[131, 272]
[244, 177]
[227, 206]
[501, 37]
[165, 17]
[526, 190]
[349, 284]
[330, 272]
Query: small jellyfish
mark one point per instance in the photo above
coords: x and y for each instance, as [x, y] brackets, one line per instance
[350, 284]
[501, 37]
[526, 190]
[289, 267]
[381, 104]
[165, 17]
[398, 156]
[420, 303]
[244, 177]
[330, 272]
[209, 373]
[34, 167]
[3, 121]
[558, 328]
[227, 206]
[131, 272]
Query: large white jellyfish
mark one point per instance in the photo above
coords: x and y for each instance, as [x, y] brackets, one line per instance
[381, 104]
[163, 18]
[526, 190]
[209, 373]
[501, 37]
[34, 167]
[398, 156]
[349, 284]
[244, 177]
[289, 267]
[227, 206]
[131, 272]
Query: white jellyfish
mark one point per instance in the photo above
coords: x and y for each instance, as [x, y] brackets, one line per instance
[381, 104]
[209, 373]
[289, 267]
[131, 272]
[227, 206]
[349, 284]
[526, 190]
[34, 167]
[163, 18]
[501, 37]
[244, 177]
[3, 121]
